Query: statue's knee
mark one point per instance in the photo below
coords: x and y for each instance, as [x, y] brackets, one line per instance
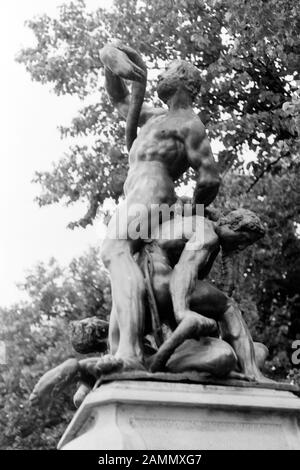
[233, 325]
[109, 250]
[228, 360]
[231, 334]
[181, 315]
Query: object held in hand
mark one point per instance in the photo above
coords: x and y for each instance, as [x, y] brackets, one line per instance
[120, 60]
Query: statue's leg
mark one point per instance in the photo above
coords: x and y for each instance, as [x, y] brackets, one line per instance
[128, 300]
[127, 283]
[113, 332]
[211, 355]
[194, 258]
[192, 326]
[207, 299]
[235, 331]
[261, 354]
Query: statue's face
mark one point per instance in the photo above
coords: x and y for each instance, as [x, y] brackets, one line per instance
[239, 229]
[236, 240]
[168, 82]
[178, 74]
[87, 337]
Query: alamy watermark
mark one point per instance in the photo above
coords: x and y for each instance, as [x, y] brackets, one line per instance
[296, 354]
[157, 221]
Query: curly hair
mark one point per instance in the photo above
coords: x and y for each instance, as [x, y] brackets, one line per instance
[243, 219]
[179, 73]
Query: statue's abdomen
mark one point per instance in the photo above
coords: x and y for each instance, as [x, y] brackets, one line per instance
[165, 148]
[149, 181]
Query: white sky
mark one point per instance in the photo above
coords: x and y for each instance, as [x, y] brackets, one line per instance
[30, 141]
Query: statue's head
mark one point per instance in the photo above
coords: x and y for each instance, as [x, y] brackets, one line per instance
[89, 335]
[239, 229]
[178, 74]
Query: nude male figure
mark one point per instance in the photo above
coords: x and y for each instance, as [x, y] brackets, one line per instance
[169, 142]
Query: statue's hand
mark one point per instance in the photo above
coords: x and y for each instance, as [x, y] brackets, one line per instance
[119, 62]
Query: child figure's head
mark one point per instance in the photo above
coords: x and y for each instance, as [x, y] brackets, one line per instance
[239, 229]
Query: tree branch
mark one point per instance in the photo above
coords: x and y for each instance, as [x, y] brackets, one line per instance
[265, 170]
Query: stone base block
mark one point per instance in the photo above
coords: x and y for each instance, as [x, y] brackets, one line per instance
[148, 415]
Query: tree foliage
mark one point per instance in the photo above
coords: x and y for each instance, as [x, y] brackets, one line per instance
[35, 334]
[248, 54]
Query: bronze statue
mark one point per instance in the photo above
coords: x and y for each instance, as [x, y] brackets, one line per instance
[168, 143]
[166, 316]
[190, 347]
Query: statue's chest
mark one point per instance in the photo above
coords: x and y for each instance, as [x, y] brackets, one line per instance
[162, 141]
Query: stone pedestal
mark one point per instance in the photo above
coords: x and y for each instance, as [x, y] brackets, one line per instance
[147, 415]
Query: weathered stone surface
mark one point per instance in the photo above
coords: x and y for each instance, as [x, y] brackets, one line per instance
[89, 335]
[161, 415]
[198, 378]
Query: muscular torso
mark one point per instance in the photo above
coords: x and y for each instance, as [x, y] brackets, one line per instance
[159, 150]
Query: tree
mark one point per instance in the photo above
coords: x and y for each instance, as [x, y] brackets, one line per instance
[36, 338]
[247, 52]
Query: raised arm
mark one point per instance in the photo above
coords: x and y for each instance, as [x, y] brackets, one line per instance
[120, 97]
[201, 159]
[122, 62]
[117, 91]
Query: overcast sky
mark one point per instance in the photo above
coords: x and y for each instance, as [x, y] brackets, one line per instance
[30, 141]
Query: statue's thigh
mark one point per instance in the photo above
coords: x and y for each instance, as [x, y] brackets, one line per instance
[208, 300]
[205, 355]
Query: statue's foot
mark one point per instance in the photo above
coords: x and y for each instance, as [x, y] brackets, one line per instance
[116, 363]
[131, 363]
[253, 375]
[239, 376]
[262, 379]
[108, 364]
[157, 362]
